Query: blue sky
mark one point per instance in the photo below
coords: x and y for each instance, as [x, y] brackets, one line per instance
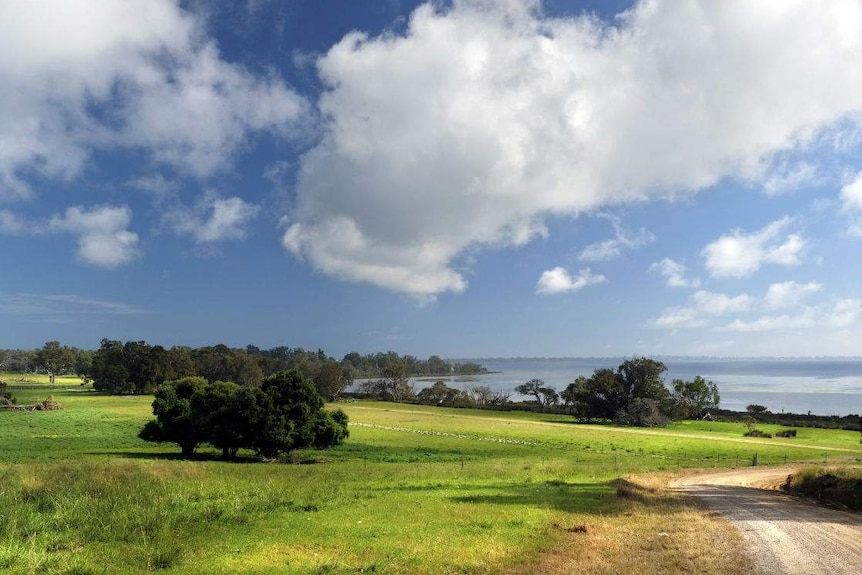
[470, 179]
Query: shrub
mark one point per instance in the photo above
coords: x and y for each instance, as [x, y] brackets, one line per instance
[841, 486]
[6, 397]
[757, 433]
[786, 433]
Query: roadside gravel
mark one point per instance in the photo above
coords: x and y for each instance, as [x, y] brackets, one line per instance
[785, 534]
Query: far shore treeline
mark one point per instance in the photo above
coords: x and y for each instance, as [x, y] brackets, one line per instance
[633, 393]
[136, 367]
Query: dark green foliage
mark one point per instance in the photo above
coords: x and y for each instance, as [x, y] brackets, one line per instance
[393, 386]
[634, 394]
[596, 397]
[17, 360]
[283, 414]
[441, 394]
[756, 409]
[175, 422]
[786, 433]
[6, 397]
[54, 358]
[137, 367]
[844, 488]
[374, 365]
[757, 433]
[545, 396]
[331, 378]
[691, 398]
[221, 363]
[643, 412]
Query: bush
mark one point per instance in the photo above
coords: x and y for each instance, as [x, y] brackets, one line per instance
[786, 433]
[840, 486]
[757, 433]
[6, 397]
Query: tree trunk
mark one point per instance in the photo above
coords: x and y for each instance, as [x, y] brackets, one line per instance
[188, 449]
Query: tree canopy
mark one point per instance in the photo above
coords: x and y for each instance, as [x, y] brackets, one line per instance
[55, 358]
[283, 414]
[545, 396]
[635, 394]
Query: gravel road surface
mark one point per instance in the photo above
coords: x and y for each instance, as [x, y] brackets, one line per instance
[786, 535]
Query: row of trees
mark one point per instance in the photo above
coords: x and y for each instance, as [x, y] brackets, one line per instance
[282, 414]
[375, 365]
[136, 367]
[53, 358]
[633, 394]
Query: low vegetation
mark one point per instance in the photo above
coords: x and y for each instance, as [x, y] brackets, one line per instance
[415, 489]
[841, 486]
[6, 397]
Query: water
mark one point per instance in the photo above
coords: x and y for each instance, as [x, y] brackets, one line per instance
[821, 386]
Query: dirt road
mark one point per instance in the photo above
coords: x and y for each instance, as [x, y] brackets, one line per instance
[786, 534]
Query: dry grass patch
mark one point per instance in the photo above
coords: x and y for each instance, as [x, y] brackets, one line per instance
[649, 530]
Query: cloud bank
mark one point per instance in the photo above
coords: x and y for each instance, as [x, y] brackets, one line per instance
[485, 117]
[104, 74]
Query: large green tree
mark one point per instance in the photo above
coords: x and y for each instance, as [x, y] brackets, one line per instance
[175, 421]
[634, 394]
[691, 398]
[545, 396]
[283, 414]
[330, 379]
[55, 358]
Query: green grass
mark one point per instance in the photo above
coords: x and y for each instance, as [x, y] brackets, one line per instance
[414, 490]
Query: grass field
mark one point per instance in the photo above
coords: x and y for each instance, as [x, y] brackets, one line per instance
[413, 490]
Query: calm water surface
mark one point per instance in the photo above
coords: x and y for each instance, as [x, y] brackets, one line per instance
[821, 386]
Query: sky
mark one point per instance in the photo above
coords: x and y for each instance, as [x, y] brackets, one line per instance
[466, 178]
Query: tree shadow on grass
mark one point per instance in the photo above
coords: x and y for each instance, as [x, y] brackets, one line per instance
[590, 497]
[205, 456]
[405, 454]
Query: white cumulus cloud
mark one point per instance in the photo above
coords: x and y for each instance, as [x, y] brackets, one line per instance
[212, 219]
[559, 280]
[841, 314]
[851, 204]
[674, 273]
[486, 116]
[789, 294]
[101, 232]
[612, 248]
[702, 306]
[739, 254]
[86, 75]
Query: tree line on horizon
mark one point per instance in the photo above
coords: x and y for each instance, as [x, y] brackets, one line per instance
[136, 367]
[633, 394]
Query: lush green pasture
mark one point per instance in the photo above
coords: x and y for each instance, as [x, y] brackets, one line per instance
[413, 490]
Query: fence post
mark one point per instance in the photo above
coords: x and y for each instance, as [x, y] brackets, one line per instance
[754, 461]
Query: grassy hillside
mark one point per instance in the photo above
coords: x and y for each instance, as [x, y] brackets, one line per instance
[414, 490]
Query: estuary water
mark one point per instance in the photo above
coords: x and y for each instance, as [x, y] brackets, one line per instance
[821, 386]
